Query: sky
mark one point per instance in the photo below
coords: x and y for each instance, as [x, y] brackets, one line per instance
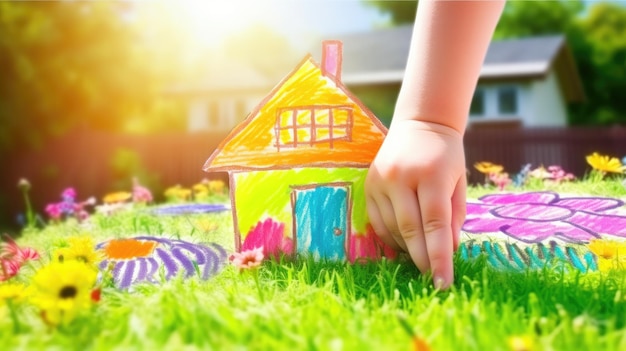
[212, 20]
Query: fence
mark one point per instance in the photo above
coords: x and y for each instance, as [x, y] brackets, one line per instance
[95, 163]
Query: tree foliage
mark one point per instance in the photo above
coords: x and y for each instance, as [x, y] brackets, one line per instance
[68, 64]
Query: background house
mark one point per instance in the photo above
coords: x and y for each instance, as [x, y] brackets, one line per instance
[524, 82]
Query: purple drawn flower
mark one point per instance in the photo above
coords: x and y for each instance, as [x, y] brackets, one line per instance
[536, 216]
[145, 258]
[189, 209]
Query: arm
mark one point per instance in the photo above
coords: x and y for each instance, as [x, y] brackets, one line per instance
[416, 185]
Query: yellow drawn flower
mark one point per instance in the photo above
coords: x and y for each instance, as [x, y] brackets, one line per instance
[488, 167]
[610, 254]
[12, 291]
[605, 163]
[62, 290]
[117, 197]
[81, 248]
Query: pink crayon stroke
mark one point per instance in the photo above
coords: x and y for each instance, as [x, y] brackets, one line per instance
[534, 217]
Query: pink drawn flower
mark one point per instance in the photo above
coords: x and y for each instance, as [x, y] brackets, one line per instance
[248, 259]
[535, 216]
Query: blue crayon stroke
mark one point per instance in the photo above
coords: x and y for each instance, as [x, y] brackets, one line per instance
[321, 221]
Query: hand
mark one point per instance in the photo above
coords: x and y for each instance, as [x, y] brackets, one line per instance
[415, 192]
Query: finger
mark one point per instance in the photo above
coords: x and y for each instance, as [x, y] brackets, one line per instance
[458, 211]
[388, 214]
[436, 211]
[409, 223]
[377, 223]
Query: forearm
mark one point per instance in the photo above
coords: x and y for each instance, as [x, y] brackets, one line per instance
[449, 43]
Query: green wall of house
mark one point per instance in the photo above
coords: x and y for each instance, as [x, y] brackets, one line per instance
[263, 194]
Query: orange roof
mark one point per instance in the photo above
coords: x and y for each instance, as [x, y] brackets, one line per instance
[265, 140]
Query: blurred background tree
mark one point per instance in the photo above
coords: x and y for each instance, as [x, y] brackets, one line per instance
[67, 65]
[595, 31]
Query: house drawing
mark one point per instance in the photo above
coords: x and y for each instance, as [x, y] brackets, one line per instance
[525, 82]
[297, 166]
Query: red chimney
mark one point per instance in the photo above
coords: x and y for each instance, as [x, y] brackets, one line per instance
[331, 59]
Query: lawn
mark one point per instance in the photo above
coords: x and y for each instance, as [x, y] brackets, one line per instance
[304, 304]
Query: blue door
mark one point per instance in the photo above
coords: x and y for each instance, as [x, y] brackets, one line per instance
[321, 220]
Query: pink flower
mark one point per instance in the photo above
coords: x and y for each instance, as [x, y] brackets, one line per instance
[10, 251]
[248, 259]
[141, 194]
[501, 180]
[69, 193]
[8, 269]
[54, 211]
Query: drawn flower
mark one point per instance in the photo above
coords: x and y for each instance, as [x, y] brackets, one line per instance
[82, 249]
[488, 168]
[605, 163]
[116, 197]
[141, 258]
[248, 259]
[183, 209]
[62, 290]
[535, 216]
[610, 254]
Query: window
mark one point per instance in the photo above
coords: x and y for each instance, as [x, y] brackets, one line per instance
[477, 108]
[507, 101]
[300, 126]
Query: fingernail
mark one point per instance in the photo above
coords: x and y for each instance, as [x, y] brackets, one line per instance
[440, 283]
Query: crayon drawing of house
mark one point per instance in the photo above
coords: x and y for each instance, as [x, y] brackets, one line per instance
[297, 166]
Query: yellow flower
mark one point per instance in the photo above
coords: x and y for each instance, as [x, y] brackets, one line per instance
[488, 167]
[521, 343]
[12, 291]
[610, 254]
[62, 290]
[605, 163]
[81, 248]
[116, 197]
[178, 193]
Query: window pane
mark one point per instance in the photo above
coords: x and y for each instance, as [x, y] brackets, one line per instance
[339, 133]
[340, 116]
[285, 137]
[477, 108]
[286, 118]
[321, 117]
[304, 135]
[507, 100]
[322, 134]
[303, 118]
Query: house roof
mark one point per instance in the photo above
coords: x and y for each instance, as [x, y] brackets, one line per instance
[255, 145]
[380, 56]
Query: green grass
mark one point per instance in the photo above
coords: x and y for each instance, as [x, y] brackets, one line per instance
[305, 304]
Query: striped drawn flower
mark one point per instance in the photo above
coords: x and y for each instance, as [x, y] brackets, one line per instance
[142, 258]
[183, 209]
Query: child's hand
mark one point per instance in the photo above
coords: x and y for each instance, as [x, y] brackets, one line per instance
[415, 192]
